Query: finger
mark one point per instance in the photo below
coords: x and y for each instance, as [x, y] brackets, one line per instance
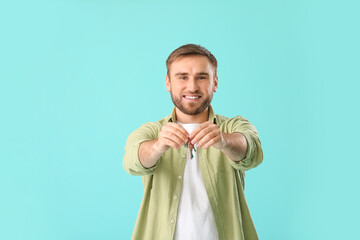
[172, 134]
[179, 127]
[178, 130]
[211, 142]
[170, 142]
[198, 129]
[191, 146]
[206, 139]
[200, 135]
[173, 137]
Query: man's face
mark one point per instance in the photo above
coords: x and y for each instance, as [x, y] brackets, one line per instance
[191, 82]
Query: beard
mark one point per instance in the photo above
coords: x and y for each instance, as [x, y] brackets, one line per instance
[191, 108]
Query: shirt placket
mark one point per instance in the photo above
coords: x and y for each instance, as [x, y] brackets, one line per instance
[175, 194]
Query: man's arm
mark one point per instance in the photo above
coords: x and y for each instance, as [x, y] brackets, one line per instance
[148, 156]
[131, 161]
[208, 134]
[239, 142]
[254, 153]
[171, 135]
[146, 144]
[235, 146]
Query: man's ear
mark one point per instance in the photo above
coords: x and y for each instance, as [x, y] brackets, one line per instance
[167, 83]
[216, 83]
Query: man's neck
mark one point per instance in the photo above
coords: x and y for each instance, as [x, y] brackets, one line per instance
[185, 118]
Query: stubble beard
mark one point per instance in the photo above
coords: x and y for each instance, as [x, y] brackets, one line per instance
[191, 109]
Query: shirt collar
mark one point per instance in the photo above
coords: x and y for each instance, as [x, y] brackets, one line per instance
[212, 116]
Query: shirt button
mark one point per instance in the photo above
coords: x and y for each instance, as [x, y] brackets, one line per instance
[175, 197]
[172, 220]
[179, 177]
[183, 156]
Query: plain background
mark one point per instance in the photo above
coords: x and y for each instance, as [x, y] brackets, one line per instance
[78, 76]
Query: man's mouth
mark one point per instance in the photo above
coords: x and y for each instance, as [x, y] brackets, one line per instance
[192, 97]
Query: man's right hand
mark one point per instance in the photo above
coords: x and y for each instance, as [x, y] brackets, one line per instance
[171, 135]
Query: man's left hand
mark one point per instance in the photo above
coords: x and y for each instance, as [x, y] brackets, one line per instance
[207, 134]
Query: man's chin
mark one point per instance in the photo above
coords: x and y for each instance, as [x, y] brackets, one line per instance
[190, 110]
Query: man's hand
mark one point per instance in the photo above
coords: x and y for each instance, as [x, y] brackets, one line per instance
[208, 134]
[171, 135]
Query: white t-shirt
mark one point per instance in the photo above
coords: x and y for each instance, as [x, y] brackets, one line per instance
[195, 219]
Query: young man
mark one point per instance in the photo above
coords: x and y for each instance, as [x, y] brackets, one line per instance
[192, 162]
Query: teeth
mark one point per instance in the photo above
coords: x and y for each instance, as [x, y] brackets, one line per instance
[191, 97]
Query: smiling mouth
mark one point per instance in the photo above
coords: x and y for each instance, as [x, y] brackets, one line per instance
[192, 97]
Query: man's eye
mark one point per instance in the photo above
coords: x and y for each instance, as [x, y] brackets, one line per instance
[202, 77]
[183, 78]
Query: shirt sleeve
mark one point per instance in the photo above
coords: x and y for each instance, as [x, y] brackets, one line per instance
[254, 154]
[131, 161]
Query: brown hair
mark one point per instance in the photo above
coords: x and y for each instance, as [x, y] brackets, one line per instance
[190, 49]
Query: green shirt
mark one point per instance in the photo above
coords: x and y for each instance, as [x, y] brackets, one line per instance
[223, 180]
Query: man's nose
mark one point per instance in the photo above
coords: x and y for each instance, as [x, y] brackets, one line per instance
[192, 85]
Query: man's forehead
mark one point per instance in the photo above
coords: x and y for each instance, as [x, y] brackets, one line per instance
[191, 58]
[194, 64]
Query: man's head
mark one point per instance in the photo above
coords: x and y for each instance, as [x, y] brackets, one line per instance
[191, 78]
[190, 50]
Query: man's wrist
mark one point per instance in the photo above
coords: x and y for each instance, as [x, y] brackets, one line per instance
[232, 147]
[225, 140]
[155, 147]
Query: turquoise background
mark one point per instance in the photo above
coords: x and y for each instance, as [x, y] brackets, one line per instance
[78, 76]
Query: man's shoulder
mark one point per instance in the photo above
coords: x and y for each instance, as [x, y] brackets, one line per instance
[157, 124]
[220, 119]
[163, 121]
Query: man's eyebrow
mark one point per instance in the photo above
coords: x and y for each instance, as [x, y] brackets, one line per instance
[184, 73]
[203, 73]
[181, 73]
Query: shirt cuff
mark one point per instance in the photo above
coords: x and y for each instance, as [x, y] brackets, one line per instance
[140, 168]
[246, 162]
